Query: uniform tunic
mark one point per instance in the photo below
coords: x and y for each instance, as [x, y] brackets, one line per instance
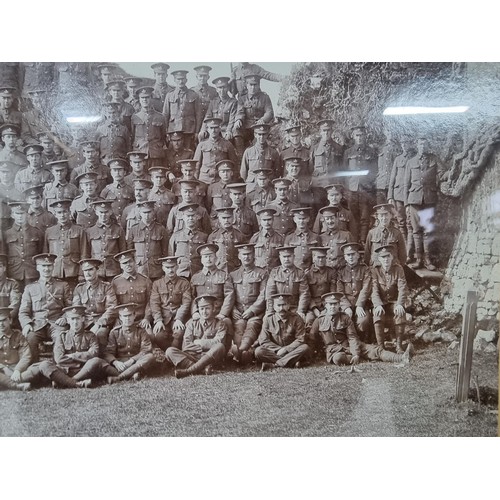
[356, 284]
[59, 191]
[334, 240]
[124, 344]
[283, 220]
[183, 244]
[258, 157]
[379, 236]
[183, 111]
[217, 283]
[121, 194]
[245, 220]
[320, 280]
[254, 108]
[259, 197]
[206, 94]
[29, 177]
[325, 161]
[105, 242]
[82, 212]
[225, 109]
[266, 244]
[170, 300]
[289, 280]
[303, 241]
[103, 176]
[10, 295]
[81, 345]
[99, 299]
[208, 153]
[134, 289]
[149, 133]
[14, 351]
[165, 200]
[227, 255]
[114, 140]
[41, 218]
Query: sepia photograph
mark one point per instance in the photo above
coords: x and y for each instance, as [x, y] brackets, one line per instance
[241, 249]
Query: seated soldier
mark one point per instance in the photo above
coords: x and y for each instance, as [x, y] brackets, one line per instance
[282, 339]
[75, 363]
[389, 296]
[342, 345]
[99, 299]
[15, 355]
[129, 348]
[170, 303]
[204, 343]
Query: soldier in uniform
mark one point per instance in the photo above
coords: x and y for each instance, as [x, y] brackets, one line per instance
[106, 239]
[119, 192]
[112, 135]
[10, 293]
[326, 156]
[164, 198]
[68, 241]
[108, 73]
[129, 348]
[333, 237]
[98, 299]
[170, 304]
[226, 238]
[389, 296]
[386, 157]
[288, 278]
[218, 192]
[204, 91]
[221, 106]
[149, 239]
[15, 355]
[282, 341]
[133, 84]
[125, 110]
[244, 218]
[42, 302]
[249, 303]
[259, 156]
[176, 152]
[47, 141]
[300, 186]
[8, 112]
[361, 188]
[423, 174]
[263, 193]
[90, 150]
[37, 215]
[22, 243]
[296, 149]
[182, 109]
[131, 215]
[204, 342]
[8, 193]
[354, 282]
[254, 108]
[267, 241]
[184, 242]
[384, 233]
[211, 151]
[131, 285]
[321, 279]
[283, 220]
[59, 188]
[149, 133]
[302, 238]
[342, 344]
[10, 153]
[35, 174]
[161, 87]
[237, 85]
[187, 168]
[138, 164]
[82, 211]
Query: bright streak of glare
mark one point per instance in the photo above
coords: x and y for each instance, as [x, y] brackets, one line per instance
[424, 110]
[83, 119]
[351, 173]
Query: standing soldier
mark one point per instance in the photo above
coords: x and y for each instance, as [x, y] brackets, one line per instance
[333, 237]
[222, 106]
[326, 156]
[254, 108]
[187, 169]
[283, 220]
[99, 300]
[244, 218]
[263, 193]
[204, 342]
[170, 304]
[131, 215]
[22, 243]
[249, 303]
[389, 296]
[10, 153]
[42, 302]
[129, 348]
[10, 293]
[8, 112]
[386, 157]
[163, 197]
[299, 187]
[239, 71]
[161, 87]
[82, 211]
[124, 110]
[149, 239]
[35, 174]
[423, 174]
[92, 163]
[302, 239]
[106, 239]
[184, 242]
[211, 151]
[37, 215]
[108, 73]
[218, 192]
[267, 240]
[296, 149]
[119, 192]
[205, 92]
[354, 282]
[176, 152]
[282, 341]
[149, 132]
[112, 135]
[182, 109]
[259, 156]
[59, 188]
[133, 84]
[47, 141]
[361, 188]
[138, 164]
[67, 241]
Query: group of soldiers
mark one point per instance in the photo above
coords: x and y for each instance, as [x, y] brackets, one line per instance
[181, 238]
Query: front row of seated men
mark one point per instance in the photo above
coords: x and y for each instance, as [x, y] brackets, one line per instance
[199, 345]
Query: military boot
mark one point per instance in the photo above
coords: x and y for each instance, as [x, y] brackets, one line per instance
[195, 368]
[379, 334]
[399, 331]
[419, 251]
[60, 379]
[428, 264]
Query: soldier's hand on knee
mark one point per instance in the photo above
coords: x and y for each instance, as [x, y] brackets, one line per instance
[378, 311]
[119, 365]
[159, 326]
[360, 312]
[399, 311]
[27, 330]
[247, 314]
[16, 376]
[355, 360]
[179, 325]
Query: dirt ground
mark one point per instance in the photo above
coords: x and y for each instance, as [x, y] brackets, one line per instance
[320, 400]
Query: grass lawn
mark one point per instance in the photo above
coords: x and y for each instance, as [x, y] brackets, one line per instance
[382, 400]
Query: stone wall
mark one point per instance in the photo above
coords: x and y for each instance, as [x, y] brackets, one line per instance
[474, 262]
